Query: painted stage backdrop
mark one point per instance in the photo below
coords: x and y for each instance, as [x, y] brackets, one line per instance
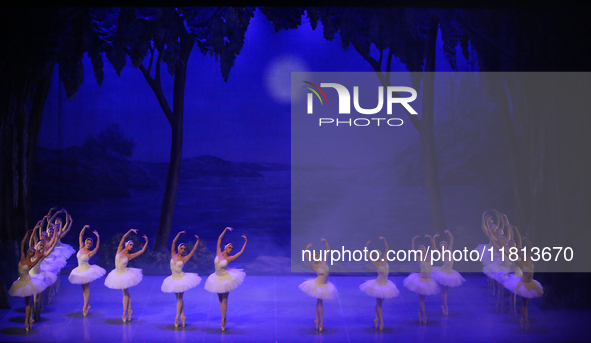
[165, 119]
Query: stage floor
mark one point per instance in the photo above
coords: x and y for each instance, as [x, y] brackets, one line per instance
[273, 309]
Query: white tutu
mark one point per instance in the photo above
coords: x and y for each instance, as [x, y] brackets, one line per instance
[421, 286]
[373, 289]
[226, 282]
[487, 258]
[131, 277]
[188, 281]
[325, 291]
[497, 272]
[449, 279]
[26, 288]
[63, 251]
[53, 263]
[528, 290]
[47, 277]
[80, 276]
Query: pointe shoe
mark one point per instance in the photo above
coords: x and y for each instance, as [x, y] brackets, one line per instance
[85, 310]
[129, 312]
[176, 321]
[376, 321]
[320, 326]
[420, 318]
[27, 326]
[316, 322]
[224, 321]
[124, 317]
[382, 325]
[183, 318]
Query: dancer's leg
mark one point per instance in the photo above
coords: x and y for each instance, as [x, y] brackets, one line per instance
[182, 312]
[125, 302]
[320, 306]
[422, 314]
[444, 307]
[379, 302]
[524, 317]
[178, 310]
[28, 311]
[223, 297]
[376, 320]
[86, 295]
[129, 311]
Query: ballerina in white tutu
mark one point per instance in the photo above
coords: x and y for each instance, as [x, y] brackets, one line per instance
[422, 283]
[62, 249]
[46, 269]
[122, 277]
[319, 288]
[180, 282]
[224, 280]
[445, 276]
[29, 285]
[85, 273]
[380, 288]
[525, 286]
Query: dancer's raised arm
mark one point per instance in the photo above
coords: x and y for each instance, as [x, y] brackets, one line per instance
[192, 251]
[33, 239]
[310, 259]
[122, 242]
[518, 235]
[81, 236]
[413, 242]
[67, 226]
[98, 242]
[219, 249]
[232, 258]
[451, 240]
[132, 256]
[172, 249]
[325, 244]
[50, 220]
[433, 244]
[54, 208]
[386, 247]
[23, 244]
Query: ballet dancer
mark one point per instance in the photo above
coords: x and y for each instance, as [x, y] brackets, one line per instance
[445, 276]
[122, 277]
[46, 269]
[380, 288]
[225, 280]
[180, 282]
[85, 273]
[26, 285]
[319, 288]
[525, 286]
[422, 283]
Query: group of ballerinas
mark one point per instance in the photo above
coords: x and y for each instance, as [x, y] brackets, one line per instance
[429, 281]
[517, 275]
[41, 263]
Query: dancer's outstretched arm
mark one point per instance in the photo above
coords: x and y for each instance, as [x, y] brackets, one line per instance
[23, 244]
[50, 220]
[54, 208]
[132, 256]
[33, 239]
[122, 242]
[413, 242]
[232, 258]
[172, 249]
[450, 246]
[98, 242]
[66, 228]
[386, 247]
[370, 260]
[518, 236]
[310, 259]
[219, 248]
[81, 237]
[192, 251]
[326, 246]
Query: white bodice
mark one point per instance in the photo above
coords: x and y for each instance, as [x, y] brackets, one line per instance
[177, 269]
[447, 266]
[220, 266]
[83, 261]
[121, 264]
[383, 271]
[322, 272]
[23, 272]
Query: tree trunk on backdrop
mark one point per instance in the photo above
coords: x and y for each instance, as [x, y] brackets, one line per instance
[175, 118]
[427, 133]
